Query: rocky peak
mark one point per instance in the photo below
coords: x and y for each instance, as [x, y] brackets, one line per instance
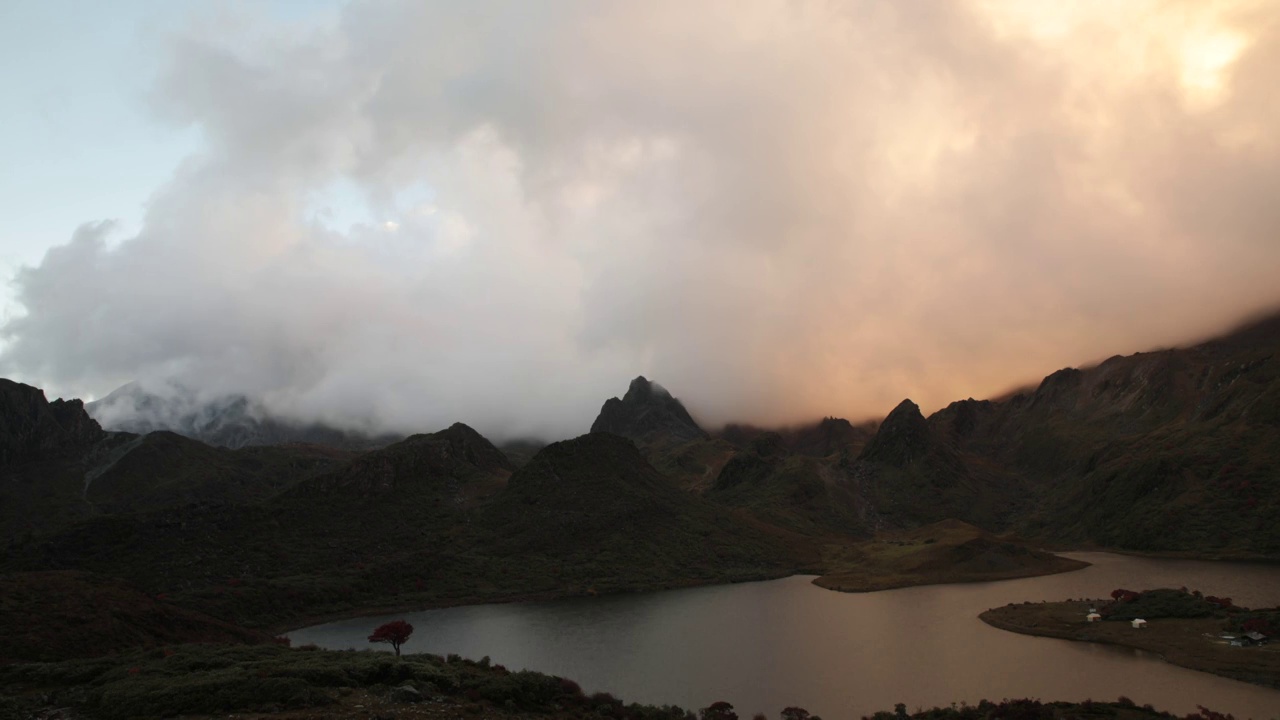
[1059, 389]
[903, 436]
[462, 442]
[959, 419]
[32, 428]
[647, 413]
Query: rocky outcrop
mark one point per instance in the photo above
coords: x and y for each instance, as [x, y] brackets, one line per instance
[647, 413]
[32, 428]
[903, 436]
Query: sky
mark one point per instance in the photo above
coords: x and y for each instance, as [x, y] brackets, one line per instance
[404, 214]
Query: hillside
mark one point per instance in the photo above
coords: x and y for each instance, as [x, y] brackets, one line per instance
[437, 518]
[86, 615]
[945, 552]
[597, 506]
[1176, 450]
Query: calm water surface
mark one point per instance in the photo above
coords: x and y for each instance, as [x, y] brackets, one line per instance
[763, 646]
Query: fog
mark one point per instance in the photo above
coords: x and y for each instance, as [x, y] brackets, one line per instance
[779, 210]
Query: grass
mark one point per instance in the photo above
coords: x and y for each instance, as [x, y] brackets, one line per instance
[207, 679]
[1189, 642]
[203, 680]
[944, 552]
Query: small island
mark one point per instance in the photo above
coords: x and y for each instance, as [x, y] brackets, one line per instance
[1183, 627]
[950, 551]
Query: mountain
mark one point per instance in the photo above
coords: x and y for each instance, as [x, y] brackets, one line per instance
[647, 413]
[1174, 450]
[231, 421]
[795, 490]
[829, 436]
[1171, 451]
[32, 428]
[913, 475]
[437, 518]
[595, 504]
[454, 456]
[166, 470]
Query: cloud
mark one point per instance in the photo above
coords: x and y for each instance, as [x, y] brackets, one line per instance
[781, 210]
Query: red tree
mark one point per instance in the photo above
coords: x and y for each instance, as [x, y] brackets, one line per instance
[718, 711]
[395, 632]
[795, 713]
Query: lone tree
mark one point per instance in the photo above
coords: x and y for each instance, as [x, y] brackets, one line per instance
[718, 711]
[395, 632]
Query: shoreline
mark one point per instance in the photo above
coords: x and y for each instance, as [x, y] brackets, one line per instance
[1177, 641]
[1066, 565]
[1169, 554]
[827, 582]
[307, 621]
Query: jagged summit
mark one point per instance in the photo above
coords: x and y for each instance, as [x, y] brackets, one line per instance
[903, 436]
[32, 428]
[647, 413]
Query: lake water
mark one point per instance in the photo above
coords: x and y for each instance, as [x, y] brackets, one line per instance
[765, 645]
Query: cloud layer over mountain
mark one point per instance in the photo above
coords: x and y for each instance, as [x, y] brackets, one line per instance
[781, 210]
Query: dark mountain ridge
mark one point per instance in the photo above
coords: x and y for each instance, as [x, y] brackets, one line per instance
[1170, 451]
[647, 412]
[32, 428]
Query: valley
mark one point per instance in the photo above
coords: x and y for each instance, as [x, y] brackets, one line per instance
[176, 540]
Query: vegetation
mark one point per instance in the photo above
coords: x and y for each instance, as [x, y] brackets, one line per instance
[1027, 709]
[191, 679]
[434, 520]
[1175, 631]
[394, 633]
[54, 615]
[1160, 603]
[945, 552]
[220, 679]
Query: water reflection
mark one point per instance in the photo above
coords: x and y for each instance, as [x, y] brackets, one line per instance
[763, 646]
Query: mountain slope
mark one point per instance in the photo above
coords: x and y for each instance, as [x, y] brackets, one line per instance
[1176, 450]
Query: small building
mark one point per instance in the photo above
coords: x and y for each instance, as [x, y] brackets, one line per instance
[1139, 623]
[1093, 617]
[1253, 638]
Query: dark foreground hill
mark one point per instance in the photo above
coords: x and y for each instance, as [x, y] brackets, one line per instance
[46, 616]
[204, 680]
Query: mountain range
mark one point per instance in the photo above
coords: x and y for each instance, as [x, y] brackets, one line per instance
[1172, 451]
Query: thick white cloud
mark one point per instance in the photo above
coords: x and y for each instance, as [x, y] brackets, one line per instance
[779, 209]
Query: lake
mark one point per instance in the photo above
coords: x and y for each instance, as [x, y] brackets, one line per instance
[765, 645]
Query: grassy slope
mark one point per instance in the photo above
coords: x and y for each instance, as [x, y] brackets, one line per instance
[58, 615]
[200, 681]
[945, 552]
[1177, 450]
[1181, 641]
[433, 520]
